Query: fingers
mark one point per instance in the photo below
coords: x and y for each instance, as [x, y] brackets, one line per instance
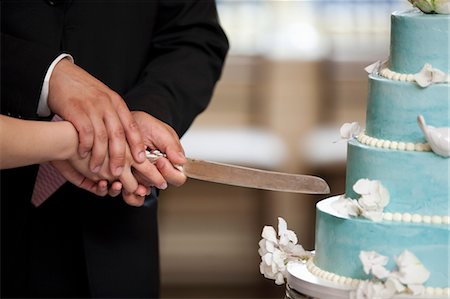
[149, 175]
[128, 180]
[100, 146]
[133, 199]
[172, 175]
[115, 189]
[132, 132]
[116, 142]
[159, 135]
[83, 125]
[169, 143]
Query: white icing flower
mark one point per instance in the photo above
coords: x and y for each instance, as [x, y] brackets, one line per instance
[374, 198]
[374, 263]
[346, 206]
[350, 130]
[438, 138]
[277, 253]
[429, 75]
[411, 271]
[409, 276]
[373, 290]
[430, 6]
[393, 283]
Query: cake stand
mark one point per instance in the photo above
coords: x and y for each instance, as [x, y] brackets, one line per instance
[302, 284]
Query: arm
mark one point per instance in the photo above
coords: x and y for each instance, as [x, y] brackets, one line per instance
[187, 55]
[25, 142]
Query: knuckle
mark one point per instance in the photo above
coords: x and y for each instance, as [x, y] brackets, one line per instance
[118, 133]
[115, 97]
[133, 126]
[86, 129]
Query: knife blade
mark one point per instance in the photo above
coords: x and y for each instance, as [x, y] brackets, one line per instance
[249, 177]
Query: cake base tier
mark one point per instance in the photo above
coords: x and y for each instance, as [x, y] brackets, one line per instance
[340, 239]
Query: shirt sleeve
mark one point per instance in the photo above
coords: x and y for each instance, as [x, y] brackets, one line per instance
[43, 109]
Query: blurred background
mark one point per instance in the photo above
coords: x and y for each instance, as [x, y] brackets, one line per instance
[294, 75]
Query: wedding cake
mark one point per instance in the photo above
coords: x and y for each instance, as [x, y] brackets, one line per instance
[388, 236]
[391, 227]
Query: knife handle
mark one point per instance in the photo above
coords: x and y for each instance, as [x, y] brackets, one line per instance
[154, 155]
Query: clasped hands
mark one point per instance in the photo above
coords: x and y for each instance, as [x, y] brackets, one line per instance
[112, 140]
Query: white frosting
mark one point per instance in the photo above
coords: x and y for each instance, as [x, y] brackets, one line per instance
[393, 145]
[353, 282]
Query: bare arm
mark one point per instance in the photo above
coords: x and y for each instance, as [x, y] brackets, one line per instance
[25, 142]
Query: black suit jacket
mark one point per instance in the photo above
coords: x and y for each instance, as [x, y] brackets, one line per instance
[164, 57]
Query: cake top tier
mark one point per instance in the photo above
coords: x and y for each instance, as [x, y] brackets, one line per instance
[418, 38]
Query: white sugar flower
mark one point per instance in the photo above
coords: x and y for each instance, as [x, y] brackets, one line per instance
[374, 263]
[374, 198]
[409, 276]
[350, 130]
[286, 236]
[393, 283]
[373, 290]
[411, 272]
[277, 253]
[430, 6]
[429, 75]
[346, 206]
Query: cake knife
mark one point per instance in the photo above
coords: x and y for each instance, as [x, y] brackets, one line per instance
[248, 177]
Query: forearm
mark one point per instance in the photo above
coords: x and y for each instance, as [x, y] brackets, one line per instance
[24, 142]
[187, 54]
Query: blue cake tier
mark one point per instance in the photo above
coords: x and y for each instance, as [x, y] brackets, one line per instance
[418, 182]
[393, 107]
[339, 240]
[415, 37]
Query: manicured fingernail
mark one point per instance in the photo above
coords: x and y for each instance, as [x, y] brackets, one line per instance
[163, 186]
[96, 169]
[84, 154]
[141, 156]
[148, 192]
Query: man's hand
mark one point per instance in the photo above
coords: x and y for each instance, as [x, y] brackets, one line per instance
[100, 116]
[158, 135]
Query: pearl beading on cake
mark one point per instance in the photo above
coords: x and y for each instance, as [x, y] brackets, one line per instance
[416, 218]
[353, 282]
[387, 73]
[393, 145]
[428, 75]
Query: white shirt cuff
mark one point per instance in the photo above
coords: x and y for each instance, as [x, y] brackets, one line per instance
[43, 109]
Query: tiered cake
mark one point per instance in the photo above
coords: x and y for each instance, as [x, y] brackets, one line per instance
[395, 152]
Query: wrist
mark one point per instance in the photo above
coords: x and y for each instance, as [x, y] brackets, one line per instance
[69, 140]
[61, 68]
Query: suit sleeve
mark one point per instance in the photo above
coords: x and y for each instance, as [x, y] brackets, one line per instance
[187, 55]
[23, 68]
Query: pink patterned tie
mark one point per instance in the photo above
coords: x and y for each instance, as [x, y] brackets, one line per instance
[48, 180]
